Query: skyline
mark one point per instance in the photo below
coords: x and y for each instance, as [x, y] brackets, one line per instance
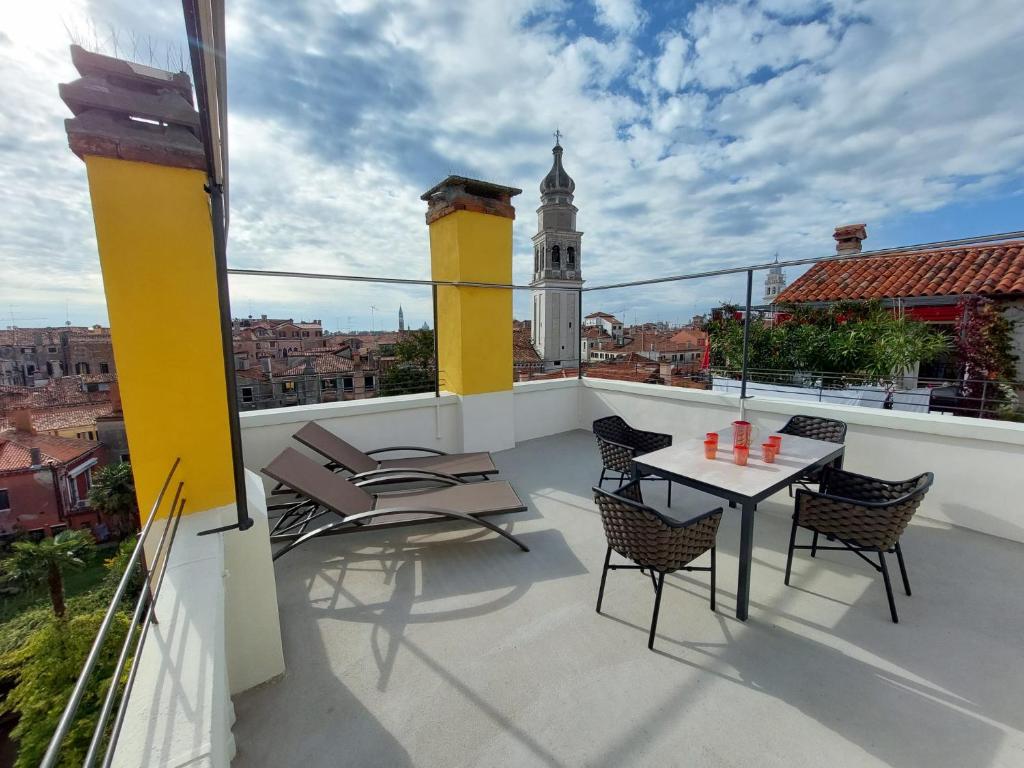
[689, 152]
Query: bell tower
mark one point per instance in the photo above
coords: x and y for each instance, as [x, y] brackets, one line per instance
[557, 271]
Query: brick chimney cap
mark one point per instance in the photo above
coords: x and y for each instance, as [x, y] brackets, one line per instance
[89, 63]
[846, 231]
[475, 187]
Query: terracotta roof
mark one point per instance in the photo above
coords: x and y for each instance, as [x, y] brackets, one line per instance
[15, 447]
[595, 332]
[523, 352]
[995, 269]
[66, 390]
[689, 337]
[52, 419]
[605, 315]
[330, 364]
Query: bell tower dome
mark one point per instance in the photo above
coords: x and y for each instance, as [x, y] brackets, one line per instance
[557, 273]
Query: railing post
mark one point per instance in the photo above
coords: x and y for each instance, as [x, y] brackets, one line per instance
[437, 367]
[579, 332]
[746, 341]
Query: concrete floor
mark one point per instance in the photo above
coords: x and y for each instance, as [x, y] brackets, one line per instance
[447, 646]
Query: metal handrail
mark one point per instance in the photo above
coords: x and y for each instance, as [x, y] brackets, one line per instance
[68, 715]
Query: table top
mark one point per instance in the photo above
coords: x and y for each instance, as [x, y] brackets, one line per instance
[685, 462]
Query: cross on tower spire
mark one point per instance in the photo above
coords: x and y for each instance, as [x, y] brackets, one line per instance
[558, 135]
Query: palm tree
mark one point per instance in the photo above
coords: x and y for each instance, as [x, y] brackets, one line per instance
[34, 563]
[113, 493]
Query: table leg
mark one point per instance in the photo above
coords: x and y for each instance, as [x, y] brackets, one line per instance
[746, 556]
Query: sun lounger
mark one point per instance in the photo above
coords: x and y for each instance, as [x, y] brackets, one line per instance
[322, 492]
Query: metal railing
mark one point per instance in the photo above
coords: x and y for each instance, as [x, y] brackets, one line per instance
[106, 731]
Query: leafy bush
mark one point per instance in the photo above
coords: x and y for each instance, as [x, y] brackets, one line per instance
[45, 669]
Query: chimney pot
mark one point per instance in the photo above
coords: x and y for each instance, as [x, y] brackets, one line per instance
[848, 238]
[36, 457]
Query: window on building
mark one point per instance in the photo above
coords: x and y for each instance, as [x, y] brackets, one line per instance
[5, 500]
[570, 254]
[78, 487]
[288, 386]
[368, 382]
[104, 367]
[81, 368]
[556, 255]
[27, 350]
[126, 458]
[305, 334]
[30, 370]
[347, 384]
[52, 350]
[247, 396]
[55, 529]
[330, 385]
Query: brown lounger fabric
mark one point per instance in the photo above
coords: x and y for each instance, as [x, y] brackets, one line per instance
[302, 474]
[485, 498]
[332, 447]
[457, 464]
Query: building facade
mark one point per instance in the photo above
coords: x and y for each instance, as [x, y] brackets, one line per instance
[557, 270]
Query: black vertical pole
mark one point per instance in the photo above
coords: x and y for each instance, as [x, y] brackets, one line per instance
[746, 341]
[437, 367]
[579, 333]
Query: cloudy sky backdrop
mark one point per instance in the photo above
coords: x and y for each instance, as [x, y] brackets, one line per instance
[700, 134]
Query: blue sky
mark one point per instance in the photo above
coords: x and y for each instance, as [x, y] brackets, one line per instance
[700, 135]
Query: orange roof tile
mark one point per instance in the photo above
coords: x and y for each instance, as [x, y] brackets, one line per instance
[995, 269]
[15, 449]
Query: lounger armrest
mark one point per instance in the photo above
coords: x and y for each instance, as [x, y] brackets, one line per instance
[409, 475]
[406, 448]
[374, 473]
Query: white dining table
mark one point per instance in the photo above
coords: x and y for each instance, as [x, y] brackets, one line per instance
[745, 486]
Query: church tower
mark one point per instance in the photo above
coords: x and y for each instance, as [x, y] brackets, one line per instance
[774, 282]
[557, 275]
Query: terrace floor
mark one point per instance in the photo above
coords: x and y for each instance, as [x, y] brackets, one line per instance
[447, 646]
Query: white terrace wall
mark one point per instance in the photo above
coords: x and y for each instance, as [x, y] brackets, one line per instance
[423, 420]
[978, 464]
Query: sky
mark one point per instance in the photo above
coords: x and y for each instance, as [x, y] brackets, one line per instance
[700, 135]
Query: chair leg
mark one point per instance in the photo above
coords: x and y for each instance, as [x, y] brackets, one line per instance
[604, 576]
[601, 481]
[888, 588]
[670, 493]
[903, 569]
[622, 479]
[789, 554]
[814, 545]
[657, 605]
[712, 578]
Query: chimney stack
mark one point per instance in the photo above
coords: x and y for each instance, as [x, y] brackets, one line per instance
[21, 419]
[849, 237]
[36, 457]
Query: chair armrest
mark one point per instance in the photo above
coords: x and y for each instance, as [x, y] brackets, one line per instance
[842, 485]
[835, 498]
[672, 523]
[406, 448]
[374, 473]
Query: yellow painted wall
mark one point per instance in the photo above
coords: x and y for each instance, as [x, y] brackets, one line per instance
[474, 333]
[155, 238]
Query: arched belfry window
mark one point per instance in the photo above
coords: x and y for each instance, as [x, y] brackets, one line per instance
[570, 253]
[556, 255]
[536, 259]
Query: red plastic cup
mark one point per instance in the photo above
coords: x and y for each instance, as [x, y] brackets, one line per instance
[768, 452]
[710, 449]
[712, 436]
[776, 440]
[740, 454]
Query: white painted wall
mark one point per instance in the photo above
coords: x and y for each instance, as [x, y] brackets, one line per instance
[421, 419]
[977, 463]
[545, 408]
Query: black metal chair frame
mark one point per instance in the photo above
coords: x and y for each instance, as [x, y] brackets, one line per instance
[660, 439]
[659, 582]
[851, 546]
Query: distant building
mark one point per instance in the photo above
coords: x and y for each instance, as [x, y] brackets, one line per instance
[610, 324]
[44, 483]
[925, 284]
[557, 270]
[33, 356]
[401, 320]
[774, 282]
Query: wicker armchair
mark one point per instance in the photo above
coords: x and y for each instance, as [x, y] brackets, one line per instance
[619, 443]
[816, 428]
[863, 514]
[652, 541]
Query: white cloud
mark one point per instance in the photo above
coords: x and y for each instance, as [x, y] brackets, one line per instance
[746, 128]
[620, 15]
